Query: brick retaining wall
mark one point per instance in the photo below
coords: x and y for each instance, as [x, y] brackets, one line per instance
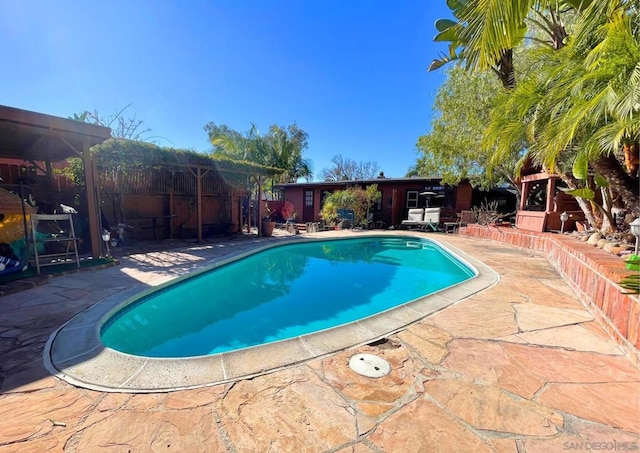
[591, 272]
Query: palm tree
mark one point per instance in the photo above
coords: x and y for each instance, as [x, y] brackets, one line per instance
[580, 97]
[285, 147]
[279, 148]
[581, 103]
[486, 32]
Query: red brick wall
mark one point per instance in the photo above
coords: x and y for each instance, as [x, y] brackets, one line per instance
[591, 272]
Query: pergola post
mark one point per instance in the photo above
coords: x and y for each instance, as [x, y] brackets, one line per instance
[259, 219]
[551, 189]
[171, 212]
[90, 180]
[524, 194]
[199, 202]
[394, 207]
[249, 216]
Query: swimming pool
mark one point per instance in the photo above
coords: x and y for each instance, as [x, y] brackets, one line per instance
[282, 293]
[76, 353]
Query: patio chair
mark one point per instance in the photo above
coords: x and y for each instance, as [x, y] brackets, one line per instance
[414, 218]
[431, 219]
[467, 217]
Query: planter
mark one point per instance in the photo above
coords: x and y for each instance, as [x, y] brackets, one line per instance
[267, 228]
[291, 228]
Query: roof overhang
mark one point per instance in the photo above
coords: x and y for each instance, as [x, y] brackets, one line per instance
[39, 137]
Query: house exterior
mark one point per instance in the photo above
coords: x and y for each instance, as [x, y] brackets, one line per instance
[398, 196]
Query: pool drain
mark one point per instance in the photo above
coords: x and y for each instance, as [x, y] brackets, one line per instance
[369, 365]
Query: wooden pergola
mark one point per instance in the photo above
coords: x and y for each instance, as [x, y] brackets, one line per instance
[199, 171]
[194, 163]
[37, 137]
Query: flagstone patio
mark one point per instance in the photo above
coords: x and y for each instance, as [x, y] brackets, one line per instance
[519, 367]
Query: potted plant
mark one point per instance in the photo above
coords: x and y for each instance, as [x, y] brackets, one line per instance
[289, 214]
[268, 224]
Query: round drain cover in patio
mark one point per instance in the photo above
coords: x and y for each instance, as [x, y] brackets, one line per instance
[369, 365]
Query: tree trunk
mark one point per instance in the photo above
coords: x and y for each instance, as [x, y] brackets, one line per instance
[632, 158]
[626, 186]
[505, 70]
[584, 206]
[608, 223]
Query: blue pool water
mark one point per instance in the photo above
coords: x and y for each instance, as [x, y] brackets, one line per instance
[280, 293]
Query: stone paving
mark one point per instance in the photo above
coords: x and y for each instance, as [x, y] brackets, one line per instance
[520, 367]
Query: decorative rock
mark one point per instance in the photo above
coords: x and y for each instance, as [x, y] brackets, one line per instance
[291, 228]
[594, 238]
[610, 246]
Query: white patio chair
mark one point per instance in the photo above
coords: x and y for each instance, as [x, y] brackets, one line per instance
[431, 219]
[414, 218]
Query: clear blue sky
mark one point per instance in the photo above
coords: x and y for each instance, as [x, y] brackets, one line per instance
[351, 73]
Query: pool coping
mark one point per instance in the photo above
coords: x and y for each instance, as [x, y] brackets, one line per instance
[75, 354]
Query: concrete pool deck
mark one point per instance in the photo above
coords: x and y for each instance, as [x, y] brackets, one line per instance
[521, 366]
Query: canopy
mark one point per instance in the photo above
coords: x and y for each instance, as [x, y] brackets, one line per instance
[33, 136]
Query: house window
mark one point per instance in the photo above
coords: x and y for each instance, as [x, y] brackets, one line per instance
[378, 206]
[308, 197]
[412, 199]
[537, 196]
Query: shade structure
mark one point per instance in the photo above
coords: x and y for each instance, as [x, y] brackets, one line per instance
[33, 137]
